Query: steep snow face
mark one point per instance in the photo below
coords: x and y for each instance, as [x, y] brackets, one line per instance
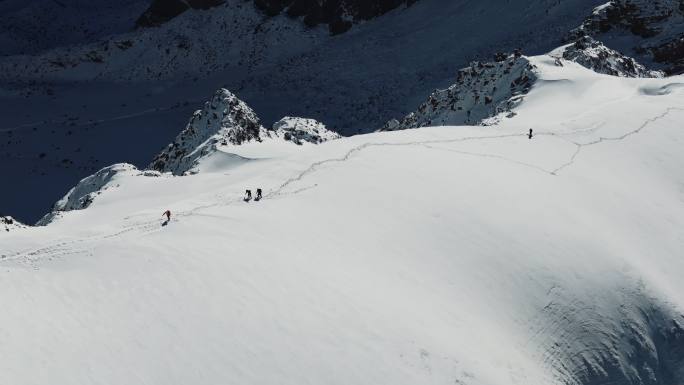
[8, 224]
[650, 30]
[83, 194]
[298, 130]
[597, 57]
[224, 120]
[440, 255]
[481, 91]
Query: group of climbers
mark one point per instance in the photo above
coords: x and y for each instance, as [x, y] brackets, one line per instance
[248, 195]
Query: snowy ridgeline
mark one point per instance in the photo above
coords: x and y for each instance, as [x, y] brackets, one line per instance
[441, 255]
[227, 121]
[8, 224]
[224, 124]
[485, 93]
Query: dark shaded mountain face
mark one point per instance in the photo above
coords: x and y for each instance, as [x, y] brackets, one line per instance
[338, 14]
[161, 11]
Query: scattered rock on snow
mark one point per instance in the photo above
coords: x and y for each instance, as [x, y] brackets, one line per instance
[224, 120]
[482, 91]
[8, 224]
[651, 30]
[298, 130]
[594, 55]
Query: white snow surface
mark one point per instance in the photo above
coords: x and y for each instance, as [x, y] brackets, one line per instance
[441, 255]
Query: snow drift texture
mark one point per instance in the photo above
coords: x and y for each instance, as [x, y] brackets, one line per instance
[461, 255]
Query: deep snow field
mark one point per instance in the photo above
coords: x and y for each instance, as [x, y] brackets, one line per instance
[442, 255]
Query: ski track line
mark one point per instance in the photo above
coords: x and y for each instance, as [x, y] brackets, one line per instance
[348, 155]
[315, 166]
[493, 156]
[581, 146]
[46, 251]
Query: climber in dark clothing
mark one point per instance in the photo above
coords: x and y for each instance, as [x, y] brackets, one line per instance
[530, 135]
[248, 195]
[166, 214]
[258, 196]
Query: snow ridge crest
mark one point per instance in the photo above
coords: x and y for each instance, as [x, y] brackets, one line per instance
[224, 120]
[481, 91]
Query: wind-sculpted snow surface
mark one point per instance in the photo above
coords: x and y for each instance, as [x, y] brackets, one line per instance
[440, 255]
[594, 55]
[482, 91]
[224, 120]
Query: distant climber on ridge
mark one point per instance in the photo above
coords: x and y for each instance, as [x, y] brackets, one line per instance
[530, 135]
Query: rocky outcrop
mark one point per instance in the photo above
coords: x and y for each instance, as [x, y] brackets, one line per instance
[224, 120]
[300, 130]
[161, 11]
[339, 15]
[8, 224]
[594, 55]
[85, 192]
[482, 91]
[653, 30]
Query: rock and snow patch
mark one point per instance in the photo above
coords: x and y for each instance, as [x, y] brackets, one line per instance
[224, 120]
[85, 192]
[651, 30]
[482, 91]
[299, 130]
[8, 224]
[595, 56]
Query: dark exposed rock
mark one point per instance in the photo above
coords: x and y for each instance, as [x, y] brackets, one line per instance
[339, 15]
[594, 55]
[481, 94]
[224, 120]
[652, 29]
[161, 11]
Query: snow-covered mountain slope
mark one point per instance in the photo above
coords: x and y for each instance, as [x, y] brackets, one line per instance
[8, 224]
[225, 122]
[485, 93]
[481, 91]
[83, 194]
[124, 98]
[467, 255]
[650, 30]
[29, 27]
[594, 55]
